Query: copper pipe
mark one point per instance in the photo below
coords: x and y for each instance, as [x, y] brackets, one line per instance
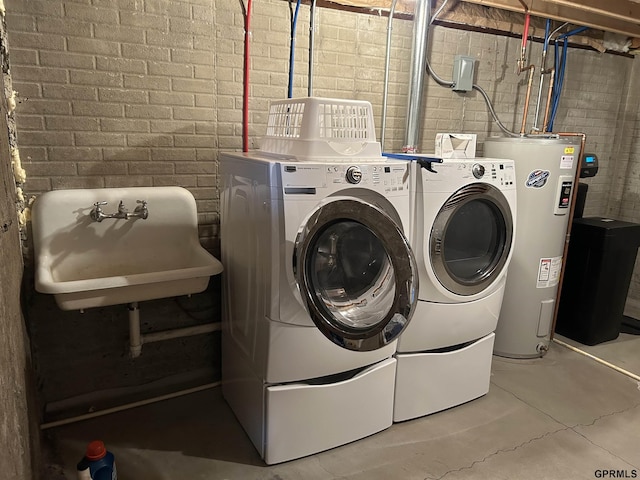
[568, 236]
[525, 34]
[545, 123]
[531, 69]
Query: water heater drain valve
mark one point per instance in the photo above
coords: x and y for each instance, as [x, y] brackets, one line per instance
[542, 349]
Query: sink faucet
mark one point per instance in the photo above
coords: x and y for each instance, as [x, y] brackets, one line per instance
[141, 211]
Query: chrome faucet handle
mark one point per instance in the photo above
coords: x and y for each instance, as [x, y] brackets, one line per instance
[98, 206]
[97, 214]
[141, 209]
[121, 207]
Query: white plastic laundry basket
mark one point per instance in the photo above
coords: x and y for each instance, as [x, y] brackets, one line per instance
[321, 128]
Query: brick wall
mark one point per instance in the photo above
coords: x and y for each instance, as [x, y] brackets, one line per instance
[146, 92]
[625, 191]
[118, 94]
[19, 432]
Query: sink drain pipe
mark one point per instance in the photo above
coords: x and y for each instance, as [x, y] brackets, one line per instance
[137, 339]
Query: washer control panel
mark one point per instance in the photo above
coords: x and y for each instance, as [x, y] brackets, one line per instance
[387, 176]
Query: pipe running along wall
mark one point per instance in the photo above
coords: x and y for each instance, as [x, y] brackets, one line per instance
[292, 44]
[246, 11]
[421, 22]
[137, 339]
[543, 72]
[385, 87]
[576, 179]
[560, 68]
[521, 67]
[312, 37]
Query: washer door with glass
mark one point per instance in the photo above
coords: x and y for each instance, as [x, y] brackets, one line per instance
[471, 239]
[356, 274]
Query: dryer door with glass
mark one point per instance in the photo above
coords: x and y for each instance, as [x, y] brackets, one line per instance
[356, 274]
[471, 239]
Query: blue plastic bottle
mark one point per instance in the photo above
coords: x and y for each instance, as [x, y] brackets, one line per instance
[97, 463]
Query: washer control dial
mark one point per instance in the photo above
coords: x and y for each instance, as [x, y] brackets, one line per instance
[354, 174]
[477, 170]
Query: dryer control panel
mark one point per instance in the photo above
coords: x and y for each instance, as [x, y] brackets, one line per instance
[497, 172]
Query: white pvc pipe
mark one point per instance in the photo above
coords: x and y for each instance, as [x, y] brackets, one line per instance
[136, 339]
[128, 406]
[598, 359]
[180, 332]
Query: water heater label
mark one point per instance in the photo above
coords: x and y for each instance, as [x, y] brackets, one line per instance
[566, 161]
[549, 272]
[537, 179]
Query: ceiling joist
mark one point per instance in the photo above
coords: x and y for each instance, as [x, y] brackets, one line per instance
[618, 16]
[615, 16]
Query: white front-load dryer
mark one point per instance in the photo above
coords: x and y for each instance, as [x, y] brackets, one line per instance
[319, 283]
[463, 228]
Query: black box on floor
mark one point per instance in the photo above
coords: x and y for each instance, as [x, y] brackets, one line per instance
[600, 261]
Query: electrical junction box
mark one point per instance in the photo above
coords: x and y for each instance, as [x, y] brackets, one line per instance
[463, 73]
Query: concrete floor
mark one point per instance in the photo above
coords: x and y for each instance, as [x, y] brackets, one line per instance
[560, 417]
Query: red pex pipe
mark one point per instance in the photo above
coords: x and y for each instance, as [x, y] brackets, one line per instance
[245, 99]
[525, 32]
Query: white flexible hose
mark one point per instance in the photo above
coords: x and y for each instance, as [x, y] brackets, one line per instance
[127, 406]
[598, 359]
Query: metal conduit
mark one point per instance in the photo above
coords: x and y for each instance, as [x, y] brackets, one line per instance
[312, 36]
[421, 21]
[385, 89]
[246, 10]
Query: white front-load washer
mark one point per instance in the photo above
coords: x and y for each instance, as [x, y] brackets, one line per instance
[463, 227]
[319, 282]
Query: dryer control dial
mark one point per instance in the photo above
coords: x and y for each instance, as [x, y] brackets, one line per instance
[354, 175]
[477, 170]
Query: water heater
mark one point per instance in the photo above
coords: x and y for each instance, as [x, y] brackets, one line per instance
[545, 175]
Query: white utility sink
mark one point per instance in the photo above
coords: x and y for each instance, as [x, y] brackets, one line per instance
[86, 263]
